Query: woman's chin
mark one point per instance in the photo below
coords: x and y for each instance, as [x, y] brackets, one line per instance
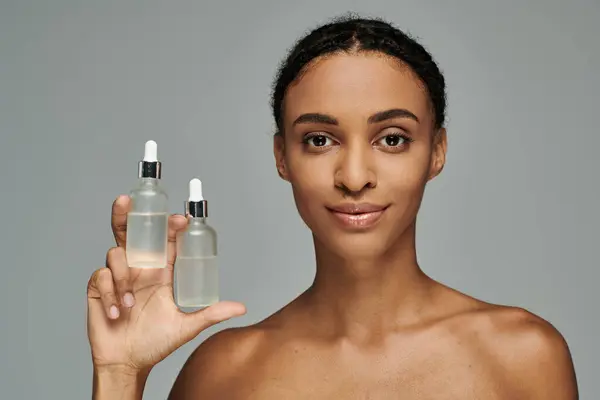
[363, 246]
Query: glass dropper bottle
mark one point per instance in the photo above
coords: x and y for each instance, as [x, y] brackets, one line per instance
[147, 219]
[197, 276]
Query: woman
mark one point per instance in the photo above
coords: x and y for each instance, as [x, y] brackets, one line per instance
[360, 112]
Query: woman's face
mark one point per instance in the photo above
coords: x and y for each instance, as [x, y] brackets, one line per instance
[358, 148]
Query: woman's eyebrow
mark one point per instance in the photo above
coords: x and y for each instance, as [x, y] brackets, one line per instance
[318, 118]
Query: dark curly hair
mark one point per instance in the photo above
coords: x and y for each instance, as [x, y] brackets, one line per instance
[350, 34]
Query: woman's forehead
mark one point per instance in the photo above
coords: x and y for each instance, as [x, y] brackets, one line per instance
[356, 83]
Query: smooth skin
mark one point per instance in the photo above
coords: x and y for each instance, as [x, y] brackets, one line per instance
[372, 325]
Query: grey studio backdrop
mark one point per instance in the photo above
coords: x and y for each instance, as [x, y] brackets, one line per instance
[512, 219]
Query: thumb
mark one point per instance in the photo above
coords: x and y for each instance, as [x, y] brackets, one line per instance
[197, 321]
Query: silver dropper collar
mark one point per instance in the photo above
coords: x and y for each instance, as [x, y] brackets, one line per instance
[150, 169]
[196, 209]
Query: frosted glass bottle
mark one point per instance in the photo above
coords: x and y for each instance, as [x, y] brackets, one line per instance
[148, 218]
[196, 269]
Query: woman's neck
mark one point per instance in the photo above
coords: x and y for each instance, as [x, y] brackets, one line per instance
[363, 298]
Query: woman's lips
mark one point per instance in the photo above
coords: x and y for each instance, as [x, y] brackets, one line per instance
[357, 215]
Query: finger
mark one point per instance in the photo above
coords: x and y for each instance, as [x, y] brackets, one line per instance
[101, 284]
[177, 223]
[118, 219]
[116, 261]
[196, 322]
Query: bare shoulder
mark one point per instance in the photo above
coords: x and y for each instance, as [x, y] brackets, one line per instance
[209, 369]
[531, 355]
[221, 366]
[536, 353]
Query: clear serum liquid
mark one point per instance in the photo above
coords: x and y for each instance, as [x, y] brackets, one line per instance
[196, 269]
[148, 217]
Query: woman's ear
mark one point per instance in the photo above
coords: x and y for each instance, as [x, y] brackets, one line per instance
[279, 153]
[438, 153]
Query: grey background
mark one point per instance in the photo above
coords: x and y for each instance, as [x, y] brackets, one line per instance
[513, 218]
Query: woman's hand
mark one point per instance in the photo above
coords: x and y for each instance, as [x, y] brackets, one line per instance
[133, 322]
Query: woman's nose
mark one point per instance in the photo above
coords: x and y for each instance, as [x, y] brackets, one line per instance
[355, 171]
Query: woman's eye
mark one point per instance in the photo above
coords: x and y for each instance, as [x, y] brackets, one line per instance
[318, 140]
[393, 140]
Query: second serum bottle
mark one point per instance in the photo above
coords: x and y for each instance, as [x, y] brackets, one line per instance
[196, 270]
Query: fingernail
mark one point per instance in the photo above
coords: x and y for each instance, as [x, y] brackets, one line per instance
[114, 312]
[128, 300]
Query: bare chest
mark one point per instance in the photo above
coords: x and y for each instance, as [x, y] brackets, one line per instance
[379, 376]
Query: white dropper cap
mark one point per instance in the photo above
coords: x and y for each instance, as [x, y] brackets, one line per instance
[150, 167]
[196, 206]
[150, 151]
[195, 190]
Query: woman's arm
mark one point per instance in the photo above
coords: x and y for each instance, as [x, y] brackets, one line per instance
[551, 374]
[537, 360]
[118, 384]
